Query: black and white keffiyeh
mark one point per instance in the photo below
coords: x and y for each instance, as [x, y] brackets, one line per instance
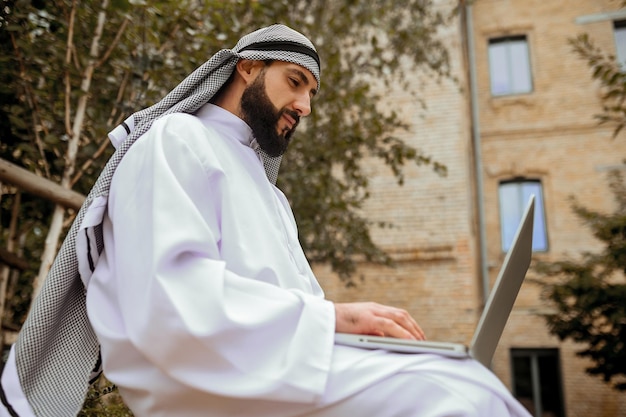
[57, 349]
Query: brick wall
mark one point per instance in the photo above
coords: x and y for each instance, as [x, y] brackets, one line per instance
[433, 234]
[548, 134]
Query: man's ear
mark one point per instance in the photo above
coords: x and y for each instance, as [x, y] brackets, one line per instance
[249, 69]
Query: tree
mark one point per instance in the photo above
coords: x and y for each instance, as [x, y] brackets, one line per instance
[73, 69]
[76, 68]
[590, 294]
[612, 78]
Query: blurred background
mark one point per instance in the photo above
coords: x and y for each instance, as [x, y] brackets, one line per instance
[435, 121]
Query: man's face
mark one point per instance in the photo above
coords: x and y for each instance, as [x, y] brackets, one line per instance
[274, 102]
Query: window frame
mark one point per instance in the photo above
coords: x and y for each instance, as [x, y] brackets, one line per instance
[534, 354]
[509, 42]
[509, 219]
[619, 37]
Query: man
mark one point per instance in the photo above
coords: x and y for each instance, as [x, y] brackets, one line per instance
[202, 299]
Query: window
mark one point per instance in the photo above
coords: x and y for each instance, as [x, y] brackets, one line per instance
[620, 41]
[513, 196]
[537, 381]
[509, 66]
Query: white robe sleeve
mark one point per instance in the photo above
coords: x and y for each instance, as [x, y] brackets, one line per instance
[186, 229]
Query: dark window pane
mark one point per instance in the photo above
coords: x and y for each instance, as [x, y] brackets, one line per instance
[522, 382]
[537, 381]
[620, 42]
[550, 386]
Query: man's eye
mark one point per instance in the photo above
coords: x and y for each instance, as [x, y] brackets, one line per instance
[294, 82]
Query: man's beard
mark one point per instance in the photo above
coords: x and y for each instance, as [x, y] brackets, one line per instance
[259, 113]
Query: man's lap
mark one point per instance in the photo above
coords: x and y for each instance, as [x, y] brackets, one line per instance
[391, 384]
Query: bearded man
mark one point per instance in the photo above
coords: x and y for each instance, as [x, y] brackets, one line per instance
[198, 292]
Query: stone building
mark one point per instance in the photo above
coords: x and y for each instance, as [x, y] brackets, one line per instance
[518, 121]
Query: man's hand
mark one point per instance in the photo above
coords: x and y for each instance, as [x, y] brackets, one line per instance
[377, 320]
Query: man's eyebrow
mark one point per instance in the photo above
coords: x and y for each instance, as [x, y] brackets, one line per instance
[303, 78]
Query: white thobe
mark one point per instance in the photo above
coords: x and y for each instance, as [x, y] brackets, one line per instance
[205, 305]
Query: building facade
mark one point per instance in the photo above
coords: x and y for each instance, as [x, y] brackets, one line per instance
[519, 121]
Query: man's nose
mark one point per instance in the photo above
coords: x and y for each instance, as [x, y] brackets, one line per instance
[302, 105]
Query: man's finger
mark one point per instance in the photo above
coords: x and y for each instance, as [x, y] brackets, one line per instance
[404, 320]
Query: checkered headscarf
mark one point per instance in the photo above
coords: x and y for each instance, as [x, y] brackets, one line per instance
[57, 349]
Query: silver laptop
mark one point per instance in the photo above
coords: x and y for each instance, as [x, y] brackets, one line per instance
[494, 316]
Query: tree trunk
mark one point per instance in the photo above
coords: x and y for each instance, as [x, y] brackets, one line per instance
[56, 225]
[4, 278]
[9, 320]
[5, 270]
[50, 248]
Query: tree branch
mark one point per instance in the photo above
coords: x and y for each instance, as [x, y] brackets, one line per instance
[12, 260]
[118, 36]
[68, 61]
[39, 186]
[32, 103]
